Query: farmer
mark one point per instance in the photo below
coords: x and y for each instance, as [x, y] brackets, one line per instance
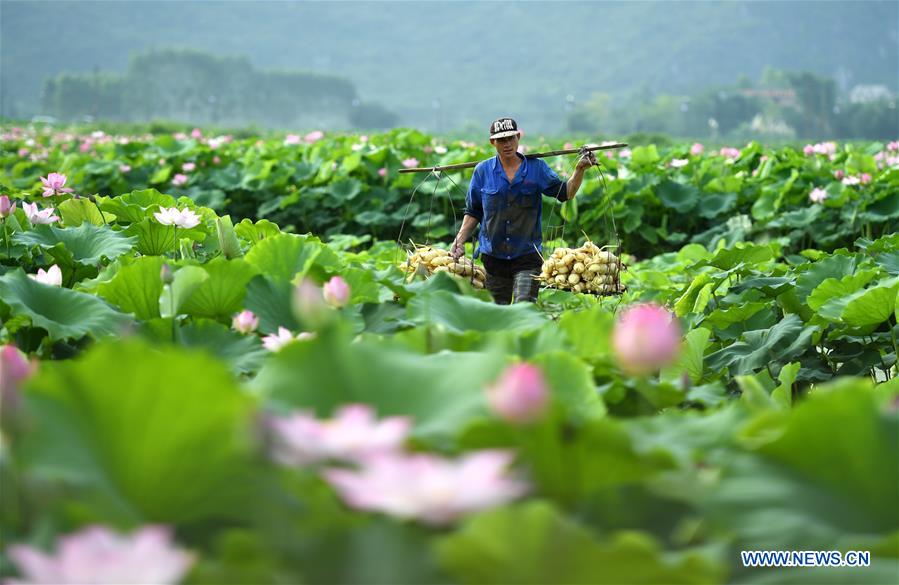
[505, 196]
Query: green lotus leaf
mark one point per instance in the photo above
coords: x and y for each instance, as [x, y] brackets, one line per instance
[271, 301]
[461, 313]
[221, 294]
[144, 433]
[832, 288]
[74, 212]
[783, 342]
[678, 196]
[64, 313]
[536, 543]
[869, 306]
[135, 206]
[836, 266]
[153, 238]
[187, 279]
[284, 256]
[87, 243]
[136, 287]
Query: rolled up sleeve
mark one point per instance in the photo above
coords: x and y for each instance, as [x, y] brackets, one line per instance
[553, 186]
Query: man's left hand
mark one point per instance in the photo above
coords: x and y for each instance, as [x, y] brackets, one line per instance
[587, 160]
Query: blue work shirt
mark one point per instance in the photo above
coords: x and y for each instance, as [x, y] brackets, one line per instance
[511, 214]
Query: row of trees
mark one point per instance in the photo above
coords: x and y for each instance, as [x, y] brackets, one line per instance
[785, 105]
[200, 88]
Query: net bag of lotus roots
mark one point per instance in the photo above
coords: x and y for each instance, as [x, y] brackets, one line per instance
[588, 269]
[425, 261]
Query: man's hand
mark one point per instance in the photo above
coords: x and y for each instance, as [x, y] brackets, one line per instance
[587, 159]
[458, 250]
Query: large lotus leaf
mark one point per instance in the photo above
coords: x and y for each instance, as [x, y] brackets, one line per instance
[870, 306]
[535, 543]
[87, 243]
[696, 297]
[136, 287]
[889, 261]
[363, 287]
[74, 212]
[724, 318]
[571, 382]
[271, 301]
[284, 256]
[832, 288]
[883, 210]
[461, 313]
[781, 343]
[64, 313]
[345, 189]
[136, 206]
[589, 332]
[186, 280]
[693, 353]
[243, 353]
[713, 205]
[257, 232]
[740, 255]
[645, 155]
[836, 267]
[678, 196]
[221, 295]
[153, 238]
[441, 392]
[149, 434]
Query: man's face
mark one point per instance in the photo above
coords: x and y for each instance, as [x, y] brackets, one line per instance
[506, 145]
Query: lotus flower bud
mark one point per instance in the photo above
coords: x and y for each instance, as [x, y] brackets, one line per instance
[6, 208]
[520, 395]
[245, 322]
[646, 338]
[166, 274]
[337, 292]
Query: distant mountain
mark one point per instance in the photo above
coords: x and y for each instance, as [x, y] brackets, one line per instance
[448, 65]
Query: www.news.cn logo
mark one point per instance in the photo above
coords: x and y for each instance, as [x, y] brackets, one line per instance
[805, 558]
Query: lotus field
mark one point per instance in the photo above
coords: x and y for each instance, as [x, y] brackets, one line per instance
[215, 370]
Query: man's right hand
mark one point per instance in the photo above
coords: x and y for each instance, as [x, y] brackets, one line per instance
[458, 250]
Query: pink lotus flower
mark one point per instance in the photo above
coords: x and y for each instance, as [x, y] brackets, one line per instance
[6, 208]
[624, 153]
[85, 146]
[520, 395]
[728, 152]
[838, 174]
[50, 277]
[567, 146]
[54, 184]
[98, 555]
[817, 195]
[336, 292]
[893, 145]
[825, 148]
[428, 488]
[679, 162]
[216, 160]
[179, 136]
[245, 322]
[808, 150]
[179, 179]
[646, 338]
[23, 152]
[44, 216]
[410, 163]
[382, 172]
[314, 136]
[352, 435]
[188, 167]
[184, 218]
[697, 149]
[196, 133]
[292, 140]
[363, 139]
[124, 169]
[865, 178]
[276, 341]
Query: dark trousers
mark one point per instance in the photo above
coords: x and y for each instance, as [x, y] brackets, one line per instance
[514, 279]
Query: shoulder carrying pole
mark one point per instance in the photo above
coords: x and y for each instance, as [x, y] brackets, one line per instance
[469, 165]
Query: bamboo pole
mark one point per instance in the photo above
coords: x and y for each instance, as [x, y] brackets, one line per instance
[469, 165]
